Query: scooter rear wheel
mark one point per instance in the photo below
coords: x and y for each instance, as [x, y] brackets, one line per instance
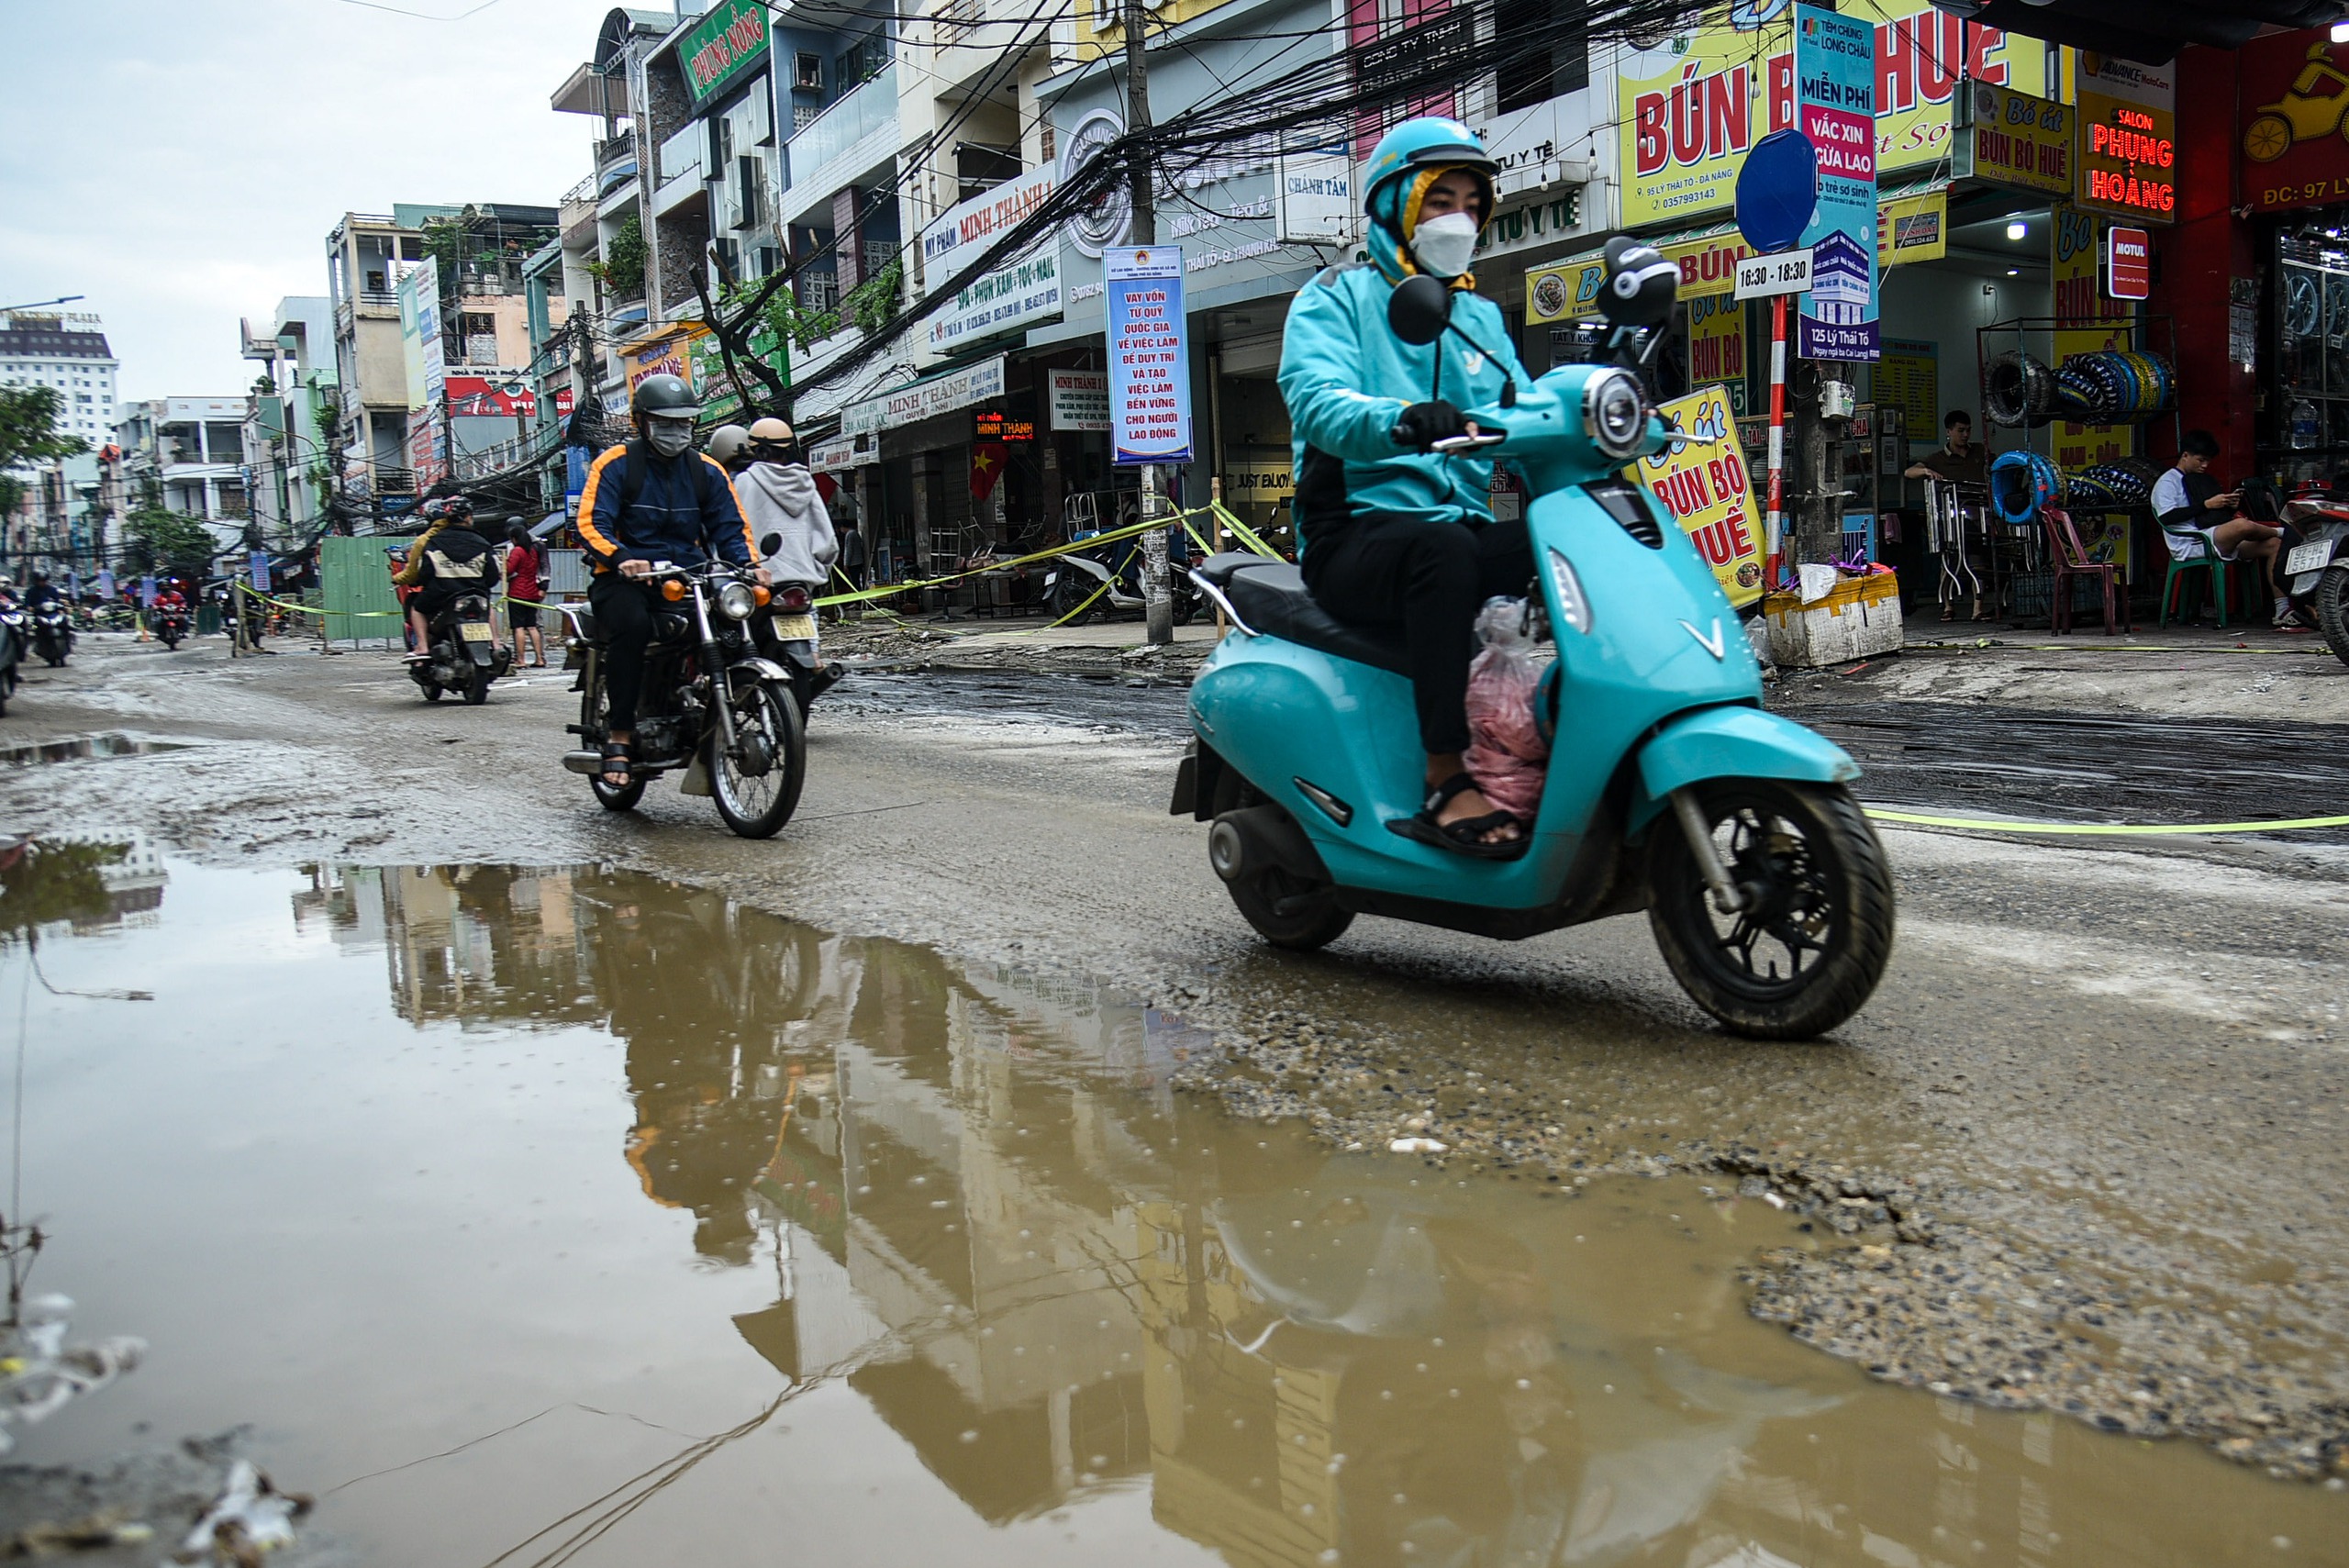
[1289, 913]
[1811, 942]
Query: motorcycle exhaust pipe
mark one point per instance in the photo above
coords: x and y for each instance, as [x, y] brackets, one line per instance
[589, 763]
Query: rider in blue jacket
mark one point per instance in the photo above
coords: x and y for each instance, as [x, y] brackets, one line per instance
[1391, 534]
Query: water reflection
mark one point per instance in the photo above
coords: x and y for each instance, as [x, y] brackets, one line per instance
[986, 1214]
[59, 886]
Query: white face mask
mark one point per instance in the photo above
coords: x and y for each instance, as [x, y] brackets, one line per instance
[1443, 245]
[670, 437]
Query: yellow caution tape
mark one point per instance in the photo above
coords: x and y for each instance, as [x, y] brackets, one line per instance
[2092, 646]
[2105, 829]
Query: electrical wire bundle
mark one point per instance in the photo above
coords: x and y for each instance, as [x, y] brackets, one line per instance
[1317, 104]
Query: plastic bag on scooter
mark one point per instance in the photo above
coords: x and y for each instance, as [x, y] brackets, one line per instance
[1507, 755]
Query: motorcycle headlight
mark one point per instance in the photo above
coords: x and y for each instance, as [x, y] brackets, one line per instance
[1614, 413]
[737, 602]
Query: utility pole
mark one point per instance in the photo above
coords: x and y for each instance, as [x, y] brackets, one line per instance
[1158, 604]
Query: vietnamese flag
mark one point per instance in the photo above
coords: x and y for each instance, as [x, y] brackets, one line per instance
[987, 467]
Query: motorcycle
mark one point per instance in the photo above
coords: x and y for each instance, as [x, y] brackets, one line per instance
[713, 704]
[462, 652]
[170, 626]
[53, 632]
[13, 642]
[788, 637]
[2315, 573]
[1085, 585]
[1734, 829]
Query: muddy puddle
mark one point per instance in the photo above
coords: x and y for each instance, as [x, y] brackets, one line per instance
[76, 747]
[555, 1215]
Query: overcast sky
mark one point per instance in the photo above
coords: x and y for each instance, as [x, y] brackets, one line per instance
[180, 161]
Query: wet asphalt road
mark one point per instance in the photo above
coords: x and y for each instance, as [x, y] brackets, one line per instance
[2083, 1143]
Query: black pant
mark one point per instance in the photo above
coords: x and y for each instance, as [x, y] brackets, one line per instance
[623, 611]
[1386, 569]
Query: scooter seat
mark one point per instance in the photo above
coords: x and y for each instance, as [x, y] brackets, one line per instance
[1271, 597]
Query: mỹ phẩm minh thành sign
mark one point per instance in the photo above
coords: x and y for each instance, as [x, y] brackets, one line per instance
[1149, 372]
[1835, 106]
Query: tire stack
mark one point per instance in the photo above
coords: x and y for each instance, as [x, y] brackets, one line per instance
[2114, 386]
[2112, 486]
[2019, 392]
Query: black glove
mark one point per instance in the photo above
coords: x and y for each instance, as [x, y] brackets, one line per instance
[1423, 424]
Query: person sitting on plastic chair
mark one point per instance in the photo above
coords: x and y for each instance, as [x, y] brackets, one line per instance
[2188, 505]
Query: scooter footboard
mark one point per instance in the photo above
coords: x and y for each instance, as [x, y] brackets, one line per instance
[1735, 742]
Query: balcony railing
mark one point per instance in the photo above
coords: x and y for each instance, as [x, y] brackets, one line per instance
[680, 153]
[871, 108]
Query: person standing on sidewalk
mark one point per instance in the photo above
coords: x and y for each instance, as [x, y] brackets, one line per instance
[525, 587]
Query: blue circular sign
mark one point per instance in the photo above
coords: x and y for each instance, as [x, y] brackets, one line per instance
[1777, 191]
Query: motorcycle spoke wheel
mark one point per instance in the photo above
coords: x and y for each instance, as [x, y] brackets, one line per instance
[1807, 946]
[757, 785]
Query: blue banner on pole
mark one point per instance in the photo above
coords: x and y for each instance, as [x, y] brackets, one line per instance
[1835, 106]
[1149, 369]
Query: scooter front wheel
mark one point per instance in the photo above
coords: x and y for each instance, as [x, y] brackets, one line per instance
[1813, 931]
[2331, 603]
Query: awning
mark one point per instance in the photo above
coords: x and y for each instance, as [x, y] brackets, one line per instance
[548, 524]
[2150, 32]
[963, 388]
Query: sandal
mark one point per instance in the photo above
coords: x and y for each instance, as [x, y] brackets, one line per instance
[1466, 836]
[617, 751]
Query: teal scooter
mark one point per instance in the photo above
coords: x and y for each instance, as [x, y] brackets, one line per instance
[1669, 789]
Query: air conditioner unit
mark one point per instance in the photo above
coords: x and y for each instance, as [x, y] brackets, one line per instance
[807, 73]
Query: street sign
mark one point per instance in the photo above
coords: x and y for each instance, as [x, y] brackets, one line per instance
[1777, 190]
[2128, 263]
[1788, 272]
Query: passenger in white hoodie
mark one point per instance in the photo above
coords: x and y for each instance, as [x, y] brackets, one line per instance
[779, 496]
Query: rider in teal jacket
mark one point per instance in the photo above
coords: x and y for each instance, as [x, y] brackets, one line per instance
[1391, 534]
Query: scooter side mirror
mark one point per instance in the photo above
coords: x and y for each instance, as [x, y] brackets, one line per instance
[1418, 309]
[1641, 286]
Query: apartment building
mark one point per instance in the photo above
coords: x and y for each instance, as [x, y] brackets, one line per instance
[291, 427]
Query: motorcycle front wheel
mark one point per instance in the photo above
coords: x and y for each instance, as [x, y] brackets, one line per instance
[2331, 603]
[757, 785]
[1074, 589]
[1810, 941]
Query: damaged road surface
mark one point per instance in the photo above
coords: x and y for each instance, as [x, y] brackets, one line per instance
[2063, 1205]
[560, 1215]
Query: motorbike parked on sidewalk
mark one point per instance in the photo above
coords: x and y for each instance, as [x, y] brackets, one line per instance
[53, 629]
[1088, 584]
[1671, 788]
[462, 652]
[2315, 573]
[712, 704]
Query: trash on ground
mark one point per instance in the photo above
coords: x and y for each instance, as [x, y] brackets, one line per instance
[248, 1517]
[1417, 1146]
[40, 1376]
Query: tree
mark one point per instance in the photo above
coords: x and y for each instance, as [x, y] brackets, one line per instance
[625, 255]
[29, 426]
[156, 539]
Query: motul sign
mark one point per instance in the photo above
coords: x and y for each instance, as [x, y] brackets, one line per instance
[2128, 263]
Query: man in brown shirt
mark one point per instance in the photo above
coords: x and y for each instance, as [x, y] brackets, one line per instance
[1958, 458]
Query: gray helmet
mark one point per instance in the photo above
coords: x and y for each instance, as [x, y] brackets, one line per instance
[726, 444]
[666, 394]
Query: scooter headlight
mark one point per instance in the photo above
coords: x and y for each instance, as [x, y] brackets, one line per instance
[737, 602]
[1574, 605]
[1614, 413]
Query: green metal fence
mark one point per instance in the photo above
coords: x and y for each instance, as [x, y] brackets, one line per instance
[360, 603]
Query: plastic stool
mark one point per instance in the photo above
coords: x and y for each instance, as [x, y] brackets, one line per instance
[2170, 588]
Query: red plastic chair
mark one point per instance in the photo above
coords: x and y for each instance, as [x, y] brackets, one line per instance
[2070, 558]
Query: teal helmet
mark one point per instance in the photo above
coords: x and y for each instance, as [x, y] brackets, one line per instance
[1406, 161]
